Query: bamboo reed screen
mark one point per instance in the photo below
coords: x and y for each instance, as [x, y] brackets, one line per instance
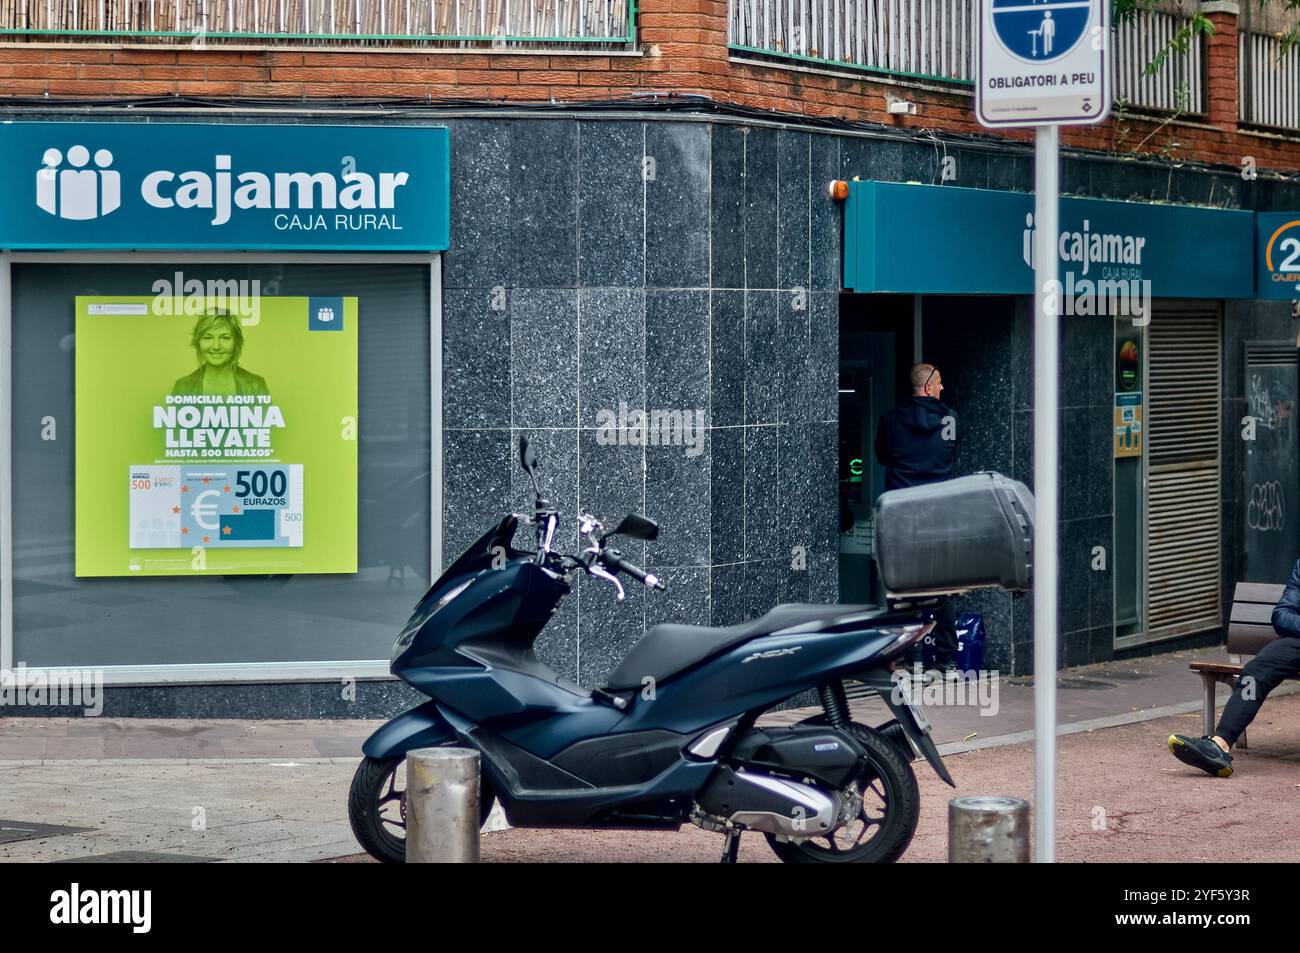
[516, 23]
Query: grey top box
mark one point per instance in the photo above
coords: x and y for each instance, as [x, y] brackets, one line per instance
[969, 533]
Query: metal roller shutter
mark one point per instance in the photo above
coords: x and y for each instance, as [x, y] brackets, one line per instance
[1183, 493]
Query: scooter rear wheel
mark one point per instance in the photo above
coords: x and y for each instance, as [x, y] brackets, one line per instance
[377, 807]
[888, 813]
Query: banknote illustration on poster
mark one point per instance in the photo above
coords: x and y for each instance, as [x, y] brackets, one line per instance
[215, 436]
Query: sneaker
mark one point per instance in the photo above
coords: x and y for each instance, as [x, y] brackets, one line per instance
[949, 672]
[917, 678]
[1203, 753]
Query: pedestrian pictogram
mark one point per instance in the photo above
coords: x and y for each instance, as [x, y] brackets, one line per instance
[1041, 30]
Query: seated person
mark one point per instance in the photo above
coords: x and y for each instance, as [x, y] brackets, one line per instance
[1276, 662]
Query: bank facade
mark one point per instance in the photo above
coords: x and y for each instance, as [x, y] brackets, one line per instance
[543, 271]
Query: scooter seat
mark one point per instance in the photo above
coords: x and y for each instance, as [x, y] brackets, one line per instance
[667, 649]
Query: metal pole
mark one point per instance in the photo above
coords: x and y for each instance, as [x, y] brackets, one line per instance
[988, 830]
[1046, 346]
[442, 806]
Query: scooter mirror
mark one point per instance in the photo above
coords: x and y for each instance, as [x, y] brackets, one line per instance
[638, 527]
[527, 456]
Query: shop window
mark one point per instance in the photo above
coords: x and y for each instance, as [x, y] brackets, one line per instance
[61, 618]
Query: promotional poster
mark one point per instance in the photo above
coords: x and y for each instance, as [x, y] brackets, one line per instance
[1128, 399]
[216, 434]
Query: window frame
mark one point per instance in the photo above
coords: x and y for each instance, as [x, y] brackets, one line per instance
[209, 673]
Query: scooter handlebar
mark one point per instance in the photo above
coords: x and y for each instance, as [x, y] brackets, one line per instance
[614, 560]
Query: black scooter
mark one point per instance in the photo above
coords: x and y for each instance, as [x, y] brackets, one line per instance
[673, 736]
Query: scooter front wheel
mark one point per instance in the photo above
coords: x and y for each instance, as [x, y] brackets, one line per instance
[377, 807]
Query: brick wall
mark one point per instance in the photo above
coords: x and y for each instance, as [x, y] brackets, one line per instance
[1221, 71]
[684, 50]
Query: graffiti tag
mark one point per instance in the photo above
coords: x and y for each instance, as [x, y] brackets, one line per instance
[1265, 512]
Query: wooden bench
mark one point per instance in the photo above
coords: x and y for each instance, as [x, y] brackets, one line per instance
[1250, 628]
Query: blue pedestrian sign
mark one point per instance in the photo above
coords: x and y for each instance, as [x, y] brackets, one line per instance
[1041, 31]
[1043, 62]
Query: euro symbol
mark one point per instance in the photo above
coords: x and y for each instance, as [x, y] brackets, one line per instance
[204, 510]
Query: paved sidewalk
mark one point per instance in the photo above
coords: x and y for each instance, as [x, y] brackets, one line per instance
[238, 809]
[275, 791]
[1089, 696]
[1121, 798]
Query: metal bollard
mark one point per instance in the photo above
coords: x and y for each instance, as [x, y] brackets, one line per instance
[988, 830]
[442, 823]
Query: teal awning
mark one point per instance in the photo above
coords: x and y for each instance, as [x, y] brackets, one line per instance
[930, 239]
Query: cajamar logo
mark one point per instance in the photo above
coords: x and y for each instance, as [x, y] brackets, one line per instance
[76, 192]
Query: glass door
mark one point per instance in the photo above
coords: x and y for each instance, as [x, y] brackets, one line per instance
[876, 335]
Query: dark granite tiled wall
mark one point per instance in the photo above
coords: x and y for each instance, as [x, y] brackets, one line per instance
[681, 265]
[775, 360]
[667, 265]
[1085, 501]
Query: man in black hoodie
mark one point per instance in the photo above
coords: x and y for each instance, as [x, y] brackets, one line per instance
[916, 443]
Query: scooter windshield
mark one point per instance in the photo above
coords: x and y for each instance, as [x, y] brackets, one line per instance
[480, 553]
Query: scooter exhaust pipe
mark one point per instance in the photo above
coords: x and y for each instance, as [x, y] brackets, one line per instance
[786, 808]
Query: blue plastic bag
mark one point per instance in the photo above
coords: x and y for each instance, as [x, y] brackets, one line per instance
[970, 643]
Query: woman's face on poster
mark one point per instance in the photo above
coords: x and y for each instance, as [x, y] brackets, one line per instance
[217, 345]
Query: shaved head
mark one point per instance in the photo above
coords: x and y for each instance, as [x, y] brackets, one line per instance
[920, 376]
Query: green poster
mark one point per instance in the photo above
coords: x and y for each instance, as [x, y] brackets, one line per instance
[216, 439]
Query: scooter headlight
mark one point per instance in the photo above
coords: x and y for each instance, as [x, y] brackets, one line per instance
[407, 635]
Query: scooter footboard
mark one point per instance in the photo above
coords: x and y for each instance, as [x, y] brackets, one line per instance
[421, 727]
